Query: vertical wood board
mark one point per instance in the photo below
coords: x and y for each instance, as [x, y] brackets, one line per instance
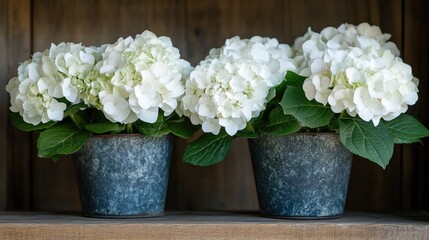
[19, 144]
[4, 104]
[416, 53]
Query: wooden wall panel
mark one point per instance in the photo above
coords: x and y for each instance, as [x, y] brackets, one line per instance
[320, 14]
[416, 53]
[95, 22]
[196, 26]
[19, 144]
[4, 104]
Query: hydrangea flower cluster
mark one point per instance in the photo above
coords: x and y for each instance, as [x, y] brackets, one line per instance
[231, 85]
[145, 74]
[128, 80]
[58, 72]
[356, 68]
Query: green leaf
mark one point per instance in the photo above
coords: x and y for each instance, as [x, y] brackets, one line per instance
[280, 124]
[207, 150]
[182, 127]
[156, 129]
[248, 132]
[79, 120]
[271, 94]
[19, 123]
[74, 109]
[406, 129]
[61, 140]
[310, 113]
[364, 139]
[293, 79]
[275, 94]
[97, 116]
[100, 128]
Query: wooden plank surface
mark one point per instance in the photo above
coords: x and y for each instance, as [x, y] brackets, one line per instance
[38, 225]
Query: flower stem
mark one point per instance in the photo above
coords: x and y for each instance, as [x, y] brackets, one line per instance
[129, 128]
[342, 114]
[75, 121]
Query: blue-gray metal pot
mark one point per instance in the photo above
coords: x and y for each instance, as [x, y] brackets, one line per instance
[303, 175]
[123, 175]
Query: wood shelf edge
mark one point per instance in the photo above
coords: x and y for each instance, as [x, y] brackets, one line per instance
[212, 225]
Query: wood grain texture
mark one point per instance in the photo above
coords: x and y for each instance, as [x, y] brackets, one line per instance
[19, 144]
[416, 53]
[95, 22]
[196, 26]
[36, 226]
[4, 105]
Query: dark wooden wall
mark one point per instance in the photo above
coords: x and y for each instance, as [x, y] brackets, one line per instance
[195, 26]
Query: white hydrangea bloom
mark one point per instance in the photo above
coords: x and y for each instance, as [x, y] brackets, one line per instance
[230, 86]
[313, 45]
[77, 64]
[33, 93]
[130, 79]
[354, 68]
[144, 74]
[56, 73]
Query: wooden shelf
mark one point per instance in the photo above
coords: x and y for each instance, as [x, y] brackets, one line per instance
[212, 225]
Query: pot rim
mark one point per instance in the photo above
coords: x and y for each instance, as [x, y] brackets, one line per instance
[302, 133]
[115, 135]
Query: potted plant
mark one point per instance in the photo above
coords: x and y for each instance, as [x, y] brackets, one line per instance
[113, 108]
[345, 91]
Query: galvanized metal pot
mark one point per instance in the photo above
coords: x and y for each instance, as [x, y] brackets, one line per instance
[123, 175]
[303, 175]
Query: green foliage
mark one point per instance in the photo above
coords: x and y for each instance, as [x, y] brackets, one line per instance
[248, 132]
[209, 149]
[102, 128]
[156, 129]
[364, 139]
[69, 135]
[293, 79]
[280, 124]
[61, 140]
[181, 127]
[74, 109]
[288, 110]
[19, 123]
[406, 129]
[310, 113]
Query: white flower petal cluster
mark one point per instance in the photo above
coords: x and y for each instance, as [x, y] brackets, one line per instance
[231, 85]
[314, 45]
[48, 76]
[141, 76]
[354, 68]
[129, 80]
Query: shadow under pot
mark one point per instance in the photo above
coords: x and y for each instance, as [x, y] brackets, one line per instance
[123, 175]
[301, 176]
